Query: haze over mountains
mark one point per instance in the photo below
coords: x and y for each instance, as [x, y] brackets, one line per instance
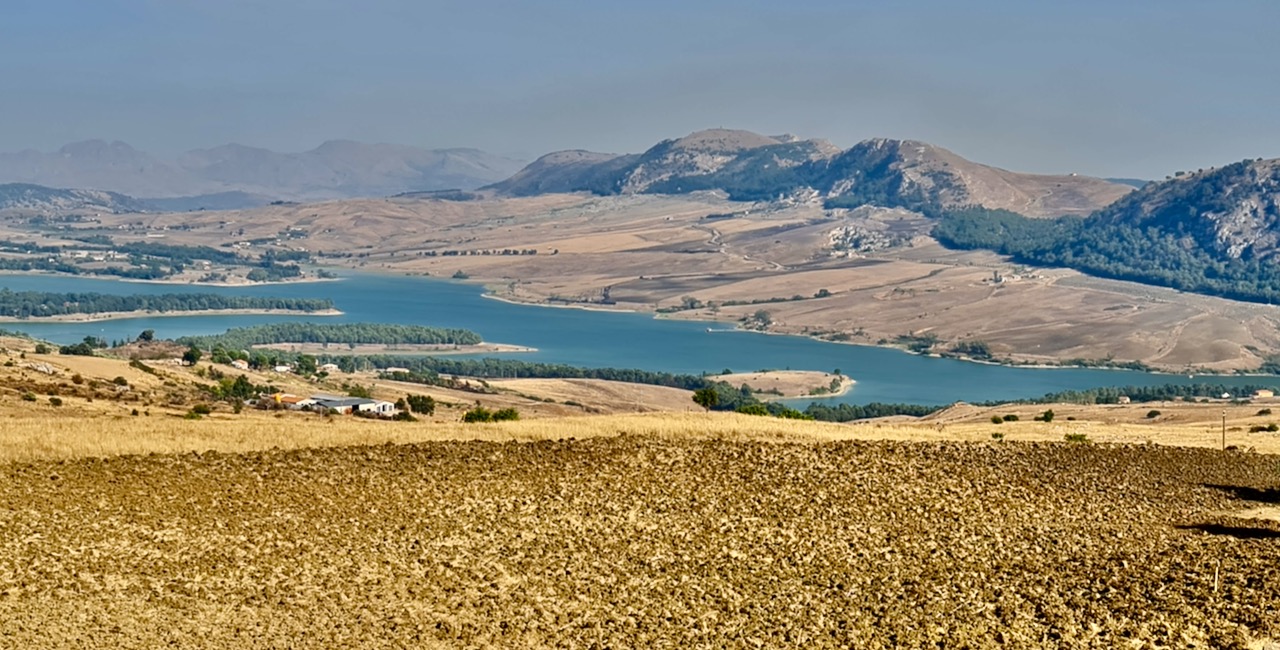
[236, 173]
[748, 166]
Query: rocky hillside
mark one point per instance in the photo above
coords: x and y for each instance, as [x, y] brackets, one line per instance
[748, 166]
[335, 169]
[1232, 211]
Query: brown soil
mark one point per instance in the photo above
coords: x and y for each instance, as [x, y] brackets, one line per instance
[637, 542]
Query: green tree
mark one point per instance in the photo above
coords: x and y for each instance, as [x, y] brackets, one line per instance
[305, 365]
[191, 356]
[147, 335]
[424, 404]
[707, 398]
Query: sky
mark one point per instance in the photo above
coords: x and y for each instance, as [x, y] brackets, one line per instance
[1121, 88]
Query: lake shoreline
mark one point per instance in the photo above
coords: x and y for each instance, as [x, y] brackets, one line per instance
[129, 315]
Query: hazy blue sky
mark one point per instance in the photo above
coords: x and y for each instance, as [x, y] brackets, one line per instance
[1118, 88]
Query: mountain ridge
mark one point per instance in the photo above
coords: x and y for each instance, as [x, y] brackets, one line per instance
[882, 171]
[334, 169]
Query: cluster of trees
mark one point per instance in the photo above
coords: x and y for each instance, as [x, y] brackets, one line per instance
[1161, 253]
[350, 334]
[35, 304]
[1162, 392]
[850, 412]
[510, 368]
[482, 414]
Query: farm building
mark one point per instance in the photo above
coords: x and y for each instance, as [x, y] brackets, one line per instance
[294, 402]
[239, 364]
[329, 368]
[1263, 393]
[352, 404]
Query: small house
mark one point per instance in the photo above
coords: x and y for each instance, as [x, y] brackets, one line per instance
[283, 369]
[329, 368]
[239, 364]
[1263, 393]
[1123, 399]
[397, 369]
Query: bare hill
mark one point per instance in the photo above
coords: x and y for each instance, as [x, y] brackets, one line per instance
[752, 167]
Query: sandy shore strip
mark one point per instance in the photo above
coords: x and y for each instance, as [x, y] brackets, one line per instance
[124, 315]
[790, 383]
[433, 349]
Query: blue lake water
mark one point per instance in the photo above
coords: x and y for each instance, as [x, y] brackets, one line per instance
[602, 339]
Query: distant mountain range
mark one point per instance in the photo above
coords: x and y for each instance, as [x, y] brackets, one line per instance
[230, 175]
[748, 166]
[38, 199]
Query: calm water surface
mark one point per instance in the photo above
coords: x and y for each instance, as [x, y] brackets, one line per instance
[601, 339]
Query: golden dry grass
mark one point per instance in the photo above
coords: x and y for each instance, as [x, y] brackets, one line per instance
[43, 433]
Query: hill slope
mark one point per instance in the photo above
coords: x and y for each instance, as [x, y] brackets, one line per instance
[40, 199]
[748, 166]
[335, 169]
[1214, 232]
[1231, 211]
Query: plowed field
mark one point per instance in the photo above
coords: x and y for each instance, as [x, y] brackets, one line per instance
[639, 542]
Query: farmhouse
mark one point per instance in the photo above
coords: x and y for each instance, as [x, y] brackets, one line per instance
[329, 368]
[293, 402]
[352, 404]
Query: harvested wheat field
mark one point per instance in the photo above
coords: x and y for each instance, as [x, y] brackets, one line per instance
[643, 541]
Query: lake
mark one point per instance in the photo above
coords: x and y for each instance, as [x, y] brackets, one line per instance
[602, 339]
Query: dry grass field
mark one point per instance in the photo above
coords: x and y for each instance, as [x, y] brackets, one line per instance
[639, 540]
[649, 252]
[789, 383]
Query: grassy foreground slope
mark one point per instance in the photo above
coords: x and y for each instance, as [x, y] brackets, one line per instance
[636, 541]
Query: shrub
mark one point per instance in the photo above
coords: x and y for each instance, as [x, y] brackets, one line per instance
[506, 414]
[28, 397]
[1153, 414]
[996, 419]
[41, 348]
[1012, 417]
[753, 409]
[1264, 412]
[120, 381]
[423, 404]
[478, 414]
[1047, 416]
[55, 401]
[192, 415]
[202, 409]
[134, 412]
[77, 379]
[404, 416]
[1076, 437]
[997, 435]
